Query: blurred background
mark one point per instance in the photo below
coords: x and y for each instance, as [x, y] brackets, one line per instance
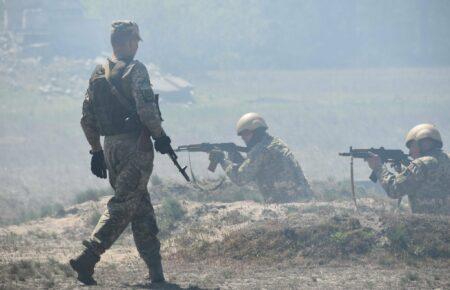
[325, 74]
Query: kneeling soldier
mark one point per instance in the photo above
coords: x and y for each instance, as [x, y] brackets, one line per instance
[426, 181]
[269, 163]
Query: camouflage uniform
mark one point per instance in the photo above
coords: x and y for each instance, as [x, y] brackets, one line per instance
[426, 181]
[272, 166]
[129, 159]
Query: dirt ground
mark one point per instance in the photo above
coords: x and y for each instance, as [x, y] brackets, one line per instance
[241, 245]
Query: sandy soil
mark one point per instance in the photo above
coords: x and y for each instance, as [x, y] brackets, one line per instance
[50, 242]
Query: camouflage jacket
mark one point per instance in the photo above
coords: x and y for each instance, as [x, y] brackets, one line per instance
[272, 166]
[426, 181]
[137, 88]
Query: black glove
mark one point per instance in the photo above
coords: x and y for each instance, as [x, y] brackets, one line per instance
[216, 156]
[98, 165]
[162, 144]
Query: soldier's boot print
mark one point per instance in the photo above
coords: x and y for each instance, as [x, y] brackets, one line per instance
[84, 266]
[155, 272]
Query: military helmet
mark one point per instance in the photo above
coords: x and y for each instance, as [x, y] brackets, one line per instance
[125, 27]
[411, 136]
[251, 122]
[429, 132]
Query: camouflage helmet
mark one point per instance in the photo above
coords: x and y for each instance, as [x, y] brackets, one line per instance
[125, 27]
[251, 122]
[429, 132]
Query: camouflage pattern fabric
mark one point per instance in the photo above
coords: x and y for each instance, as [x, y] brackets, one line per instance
[137, 88]
[129, 160]
[426, 181]
[272, 166]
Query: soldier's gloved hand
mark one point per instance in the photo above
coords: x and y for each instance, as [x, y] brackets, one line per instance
[162, 144]
[98, 165]
[216, 156]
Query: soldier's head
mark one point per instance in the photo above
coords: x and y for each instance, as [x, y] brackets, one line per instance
[251, 126]
[422, 139]
[125, 38]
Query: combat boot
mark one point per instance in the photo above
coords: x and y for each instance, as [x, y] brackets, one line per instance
[155, 272]
[84, 265]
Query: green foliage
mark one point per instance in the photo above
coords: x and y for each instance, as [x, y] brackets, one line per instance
[419, 236]
[168, 214]
[51, 209]
[399, 237]
[172, 209]
[91, 194]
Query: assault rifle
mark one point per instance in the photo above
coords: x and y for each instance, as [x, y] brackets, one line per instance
[172, 155]
[231, 148]
[396, 157]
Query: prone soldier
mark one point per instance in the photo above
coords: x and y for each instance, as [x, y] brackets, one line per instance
[426, 180]
[269, 163]
[120, 105]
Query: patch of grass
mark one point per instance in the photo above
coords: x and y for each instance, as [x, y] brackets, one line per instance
[91, 194]
[29, 270]
[172, 209]
[229, 192]
[386, 260]
[51, 209]
[341, 236]
[168, 214]
[409, 277]
[94, 218]
[234, 217]
[205, 191]
[40, 234]
[418, 236]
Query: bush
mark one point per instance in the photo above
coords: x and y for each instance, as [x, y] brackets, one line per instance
[91, 194]
[418, 236]
[172, 209]
[51, 209]
[169, 213]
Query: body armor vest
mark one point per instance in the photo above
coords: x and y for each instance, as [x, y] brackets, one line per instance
[114, 109]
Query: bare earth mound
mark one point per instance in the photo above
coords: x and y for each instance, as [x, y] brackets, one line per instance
[243, 244]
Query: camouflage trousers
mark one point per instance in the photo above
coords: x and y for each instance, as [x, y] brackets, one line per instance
[129, 171]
